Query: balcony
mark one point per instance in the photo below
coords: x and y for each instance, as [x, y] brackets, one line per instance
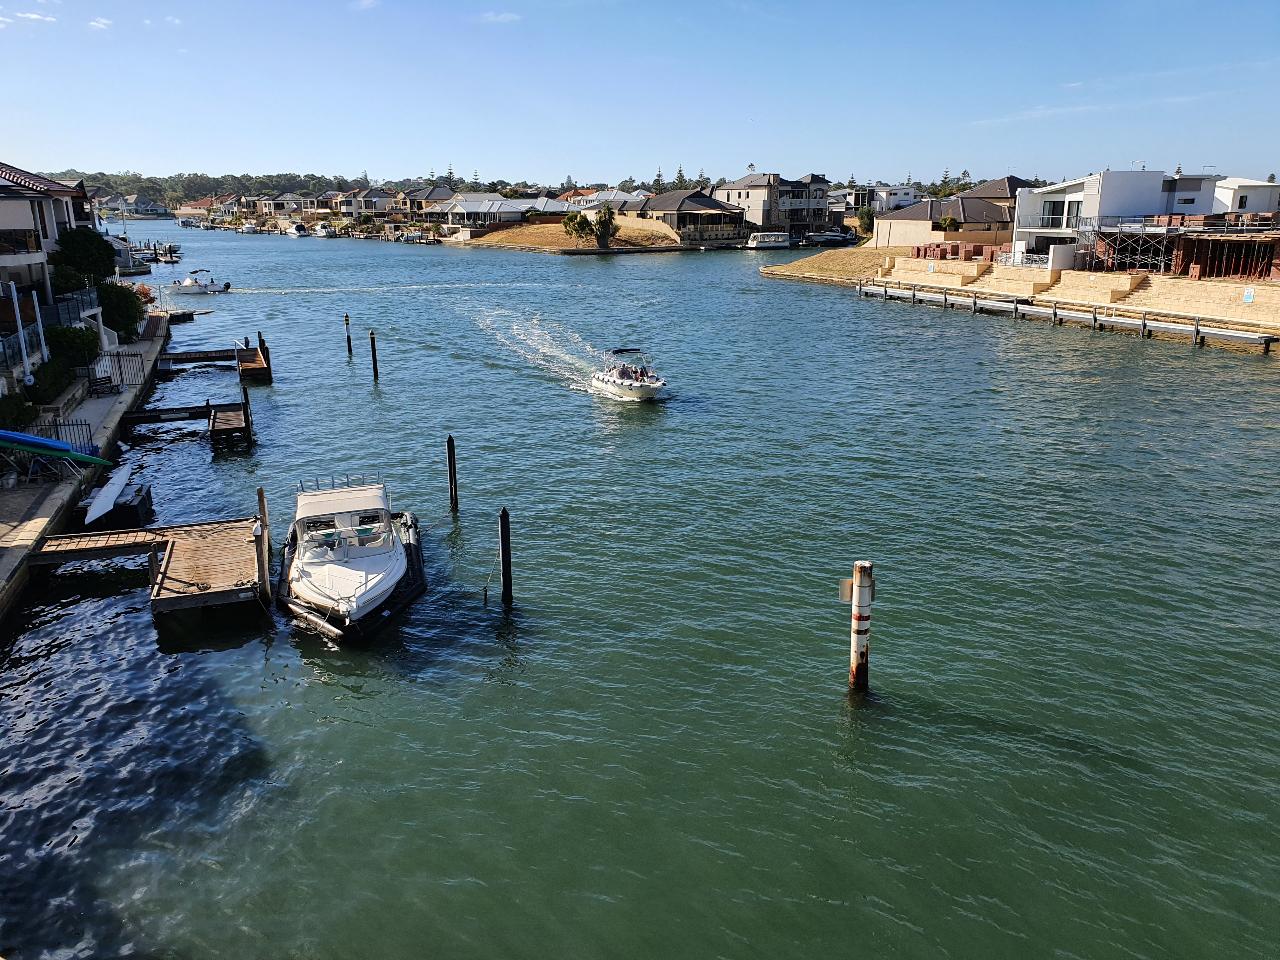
[1056, 222]
[19, 242]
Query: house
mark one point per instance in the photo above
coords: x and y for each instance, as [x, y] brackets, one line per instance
[886, 198]
[773, 204]
[1146, 220]
[1003, 191]
[847, 201]
[961, 218]
[1241, 195]
[195, 208]
[695, 217]
[577, 193]
[415, 202]
[371, 200]
[34, 213]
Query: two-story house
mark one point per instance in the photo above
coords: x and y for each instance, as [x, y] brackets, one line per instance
[774, 205]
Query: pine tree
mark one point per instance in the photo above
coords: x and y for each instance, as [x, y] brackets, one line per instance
[1177, 171]
[703, 180]
[450, 180]
[964, 175]
[1271, 178]
[680, 182]
[659, 185]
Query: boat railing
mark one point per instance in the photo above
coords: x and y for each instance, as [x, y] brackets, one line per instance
[338, 482]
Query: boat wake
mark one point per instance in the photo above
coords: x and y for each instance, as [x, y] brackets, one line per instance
[545, 344]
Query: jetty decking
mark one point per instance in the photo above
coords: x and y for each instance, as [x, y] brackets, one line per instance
[253, 363]
[193, 565]
[227, 423]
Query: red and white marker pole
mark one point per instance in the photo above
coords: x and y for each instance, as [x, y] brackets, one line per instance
[859, 591]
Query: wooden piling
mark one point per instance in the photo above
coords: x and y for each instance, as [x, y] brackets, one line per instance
[1143, 330]
[861, 593]
[913, 294]
[975, 303]
[1093, 325]
[263, 548]
[346, 322]
[944, 300]
[1015, 308]
[504, 556]
[1054, 315]
[373, 350]
[266, 353]
[452, 455]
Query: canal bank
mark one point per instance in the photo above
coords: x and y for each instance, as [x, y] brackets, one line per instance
[31, 512]
[670, 688]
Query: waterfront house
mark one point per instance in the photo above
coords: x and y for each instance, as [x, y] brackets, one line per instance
[847, 201]
[1242, 195]
[696, 217]
[962, 219]
[414, 203]
[371, 200]
[773, 204]
[1148, 220]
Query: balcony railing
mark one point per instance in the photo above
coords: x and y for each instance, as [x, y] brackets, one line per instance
[19, 241]
[1058, 222]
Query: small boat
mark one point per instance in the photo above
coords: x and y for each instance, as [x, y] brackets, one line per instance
[345, 554]
[248, 228]
[768, 241]
[192, 284]
[827, 238]
[296, 230]
[324, 231]
[630, 377]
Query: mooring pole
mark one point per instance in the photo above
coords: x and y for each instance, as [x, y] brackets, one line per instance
[153, 564]
[453, 474]
[264, 547]
[373, 349]
[859, 592]
[266, 353]
[504, 556]
[346, 322]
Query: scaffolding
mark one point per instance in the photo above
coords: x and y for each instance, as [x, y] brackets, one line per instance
[1127, 247]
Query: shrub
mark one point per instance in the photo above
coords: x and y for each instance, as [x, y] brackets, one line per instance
[79, 345]
[866, 220]
[51, 378]
[67, 280]
[122, 310]
[16, 413]
[84, 251]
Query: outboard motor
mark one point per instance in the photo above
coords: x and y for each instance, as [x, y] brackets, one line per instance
[226, 286]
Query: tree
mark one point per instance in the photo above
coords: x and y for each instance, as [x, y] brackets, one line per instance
[703, 181]
[568, 184]
[122, 310]
[681, 182]
[949, 224]
[964, 175]
[659, 185]
[866, 221]
[627, 185]
[578, 226]
[605, 229]
[1271, 178]
[82, 251]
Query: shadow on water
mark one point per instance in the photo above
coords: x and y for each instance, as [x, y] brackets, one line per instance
[943, 721]
[104, 742]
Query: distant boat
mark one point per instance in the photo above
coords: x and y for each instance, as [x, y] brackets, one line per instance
[324, 231]
[249, 228]
[297, 230]
[827, 238]
[768, 241]
[192, 285]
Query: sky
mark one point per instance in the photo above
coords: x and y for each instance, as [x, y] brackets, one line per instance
[598, 90]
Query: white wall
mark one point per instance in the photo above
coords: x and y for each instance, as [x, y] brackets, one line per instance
[1262, 199]
[1126, 193]
[16, 215]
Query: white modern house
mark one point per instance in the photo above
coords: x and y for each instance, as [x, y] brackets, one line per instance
[891, 198]
[1242, 195]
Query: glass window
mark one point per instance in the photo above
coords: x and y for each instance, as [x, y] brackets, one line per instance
[1244, 202]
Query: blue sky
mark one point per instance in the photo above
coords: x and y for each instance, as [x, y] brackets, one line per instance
[602, 90]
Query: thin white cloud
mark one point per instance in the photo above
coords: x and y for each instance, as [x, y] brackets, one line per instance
[174, 20]
[1043, 112]
[146, 23]
[492, 17]
[36, 16]
[99, 23]
[363, 4]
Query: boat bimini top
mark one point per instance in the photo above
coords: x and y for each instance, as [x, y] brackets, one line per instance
[345, 523]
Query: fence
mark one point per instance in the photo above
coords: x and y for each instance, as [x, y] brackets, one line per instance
[12, 348]
[77, 433]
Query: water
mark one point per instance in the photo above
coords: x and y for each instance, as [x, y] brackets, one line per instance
[1071, 750]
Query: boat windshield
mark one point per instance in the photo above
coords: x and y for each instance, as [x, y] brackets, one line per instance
[346, 535]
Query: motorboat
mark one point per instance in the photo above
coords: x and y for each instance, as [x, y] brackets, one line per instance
[324, 231]
[630, 376]
[194, 284]
[768, 241]
[345, 554]
[827, 238]
[248, 228]
[296, 230]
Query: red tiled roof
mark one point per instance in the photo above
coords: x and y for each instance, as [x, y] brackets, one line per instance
[32, 181]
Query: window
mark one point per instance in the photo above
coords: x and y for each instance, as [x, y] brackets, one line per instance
[1187, 200]
[1243, 202]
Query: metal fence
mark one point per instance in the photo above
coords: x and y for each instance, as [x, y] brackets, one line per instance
[77, 433]
[11, 346]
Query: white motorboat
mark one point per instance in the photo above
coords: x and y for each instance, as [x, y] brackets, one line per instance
[827, 238]
[192, 284]
[248, 228]
[324, 231]
[344, 557]
[768, 241]
[296, 230]
[630, 377]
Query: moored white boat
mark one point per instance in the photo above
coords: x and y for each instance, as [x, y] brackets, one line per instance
[296, 230]
[192, 285]
[324, 231]
[631, 379]
[344, 557]
[768, 241]
[248, 228]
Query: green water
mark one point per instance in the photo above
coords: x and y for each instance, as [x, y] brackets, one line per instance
[1070, 749]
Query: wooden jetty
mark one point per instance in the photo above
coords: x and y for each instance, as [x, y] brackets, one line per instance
[192, 565]
[227, 423]
[253, 363]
